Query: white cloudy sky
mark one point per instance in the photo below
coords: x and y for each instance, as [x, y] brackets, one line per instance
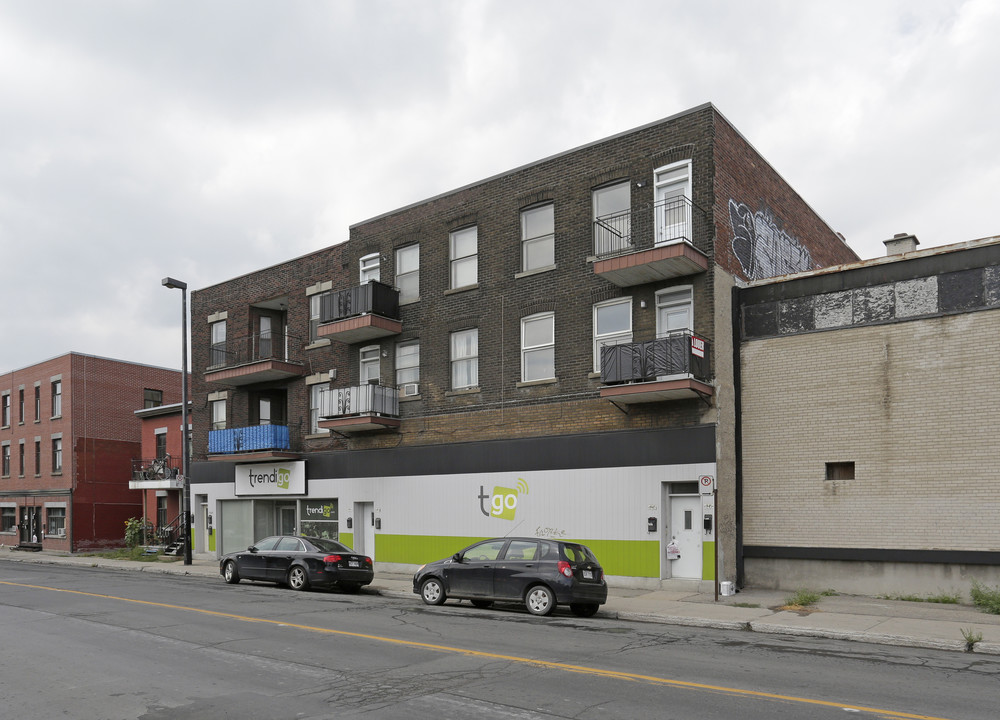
[201, 140]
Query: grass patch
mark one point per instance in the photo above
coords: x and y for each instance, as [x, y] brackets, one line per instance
[802, 598]
[745, 605]
[942, 598]
[986, 598]
[971, 638]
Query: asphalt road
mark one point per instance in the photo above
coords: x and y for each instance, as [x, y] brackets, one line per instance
[94, 643]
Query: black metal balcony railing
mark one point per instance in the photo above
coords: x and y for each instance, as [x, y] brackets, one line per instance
[372, 297]
[672, 220]
[370, 399]
[256, 348]
[677, 354]
[165, 468]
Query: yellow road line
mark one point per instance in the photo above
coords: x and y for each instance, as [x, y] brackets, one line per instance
[612, 674]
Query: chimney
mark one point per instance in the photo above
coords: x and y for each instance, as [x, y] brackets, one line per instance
[901, 243]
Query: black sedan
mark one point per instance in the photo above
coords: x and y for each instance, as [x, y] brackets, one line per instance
[539, 573]
[300, 563]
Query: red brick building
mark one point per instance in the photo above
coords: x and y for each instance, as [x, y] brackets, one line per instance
[157, 473]
[68, 435]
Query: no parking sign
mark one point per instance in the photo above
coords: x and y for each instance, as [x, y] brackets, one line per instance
[706, 483]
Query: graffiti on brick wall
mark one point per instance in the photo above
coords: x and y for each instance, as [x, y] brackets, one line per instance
[762, 247]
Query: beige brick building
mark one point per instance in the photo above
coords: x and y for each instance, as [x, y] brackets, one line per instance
[869, 398]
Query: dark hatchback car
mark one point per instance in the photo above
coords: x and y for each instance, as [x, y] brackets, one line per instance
[539, 573]
[300, 563]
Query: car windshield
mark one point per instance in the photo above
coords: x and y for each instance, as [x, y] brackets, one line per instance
[578, 553]
[324, 545]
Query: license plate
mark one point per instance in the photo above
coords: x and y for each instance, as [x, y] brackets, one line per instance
[588, 574]
[353, 563]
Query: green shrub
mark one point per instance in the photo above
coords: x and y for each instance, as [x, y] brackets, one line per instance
[986, 598]
[802, 598]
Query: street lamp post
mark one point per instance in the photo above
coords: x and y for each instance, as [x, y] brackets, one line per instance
[186, 499]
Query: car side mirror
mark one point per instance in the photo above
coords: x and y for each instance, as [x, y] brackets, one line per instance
[252, 548]
[457, 557]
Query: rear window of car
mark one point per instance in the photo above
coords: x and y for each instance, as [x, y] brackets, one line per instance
[578, 553]
[324, 545]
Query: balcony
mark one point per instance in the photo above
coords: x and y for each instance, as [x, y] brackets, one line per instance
[156, 474]
[250, 444]
[650, 244]
[257, 358]
[362, 313]
[675, 367]
[360, 408]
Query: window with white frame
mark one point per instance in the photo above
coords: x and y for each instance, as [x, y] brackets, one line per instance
[315, 312]
[612, 218]
[161, 444]
[538, 347]
[218, 349]
[538, 245]
[674, 311]
[57, 458]
[218, 414]
[612, 325]
[407, 363]
[55, 521]
[317, 398]
[370, 268]
[465, 359]
[57, 398]
[464, 257]
[408, 273]
[369, 364]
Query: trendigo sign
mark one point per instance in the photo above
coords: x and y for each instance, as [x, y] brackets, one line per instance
[287, 478]
[503, 501]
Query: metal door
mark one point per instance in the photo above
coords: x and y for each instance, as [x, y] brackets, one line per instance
[685, 530]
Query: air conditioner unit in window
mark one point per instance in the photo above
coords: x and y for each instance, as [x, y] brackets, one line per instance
[411, 389]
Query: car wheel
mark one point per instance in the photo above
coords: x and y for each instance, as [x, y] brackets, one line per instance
[540, 600]
[232, 575]
[483, 604]
[432, 591]
[350, 588]
[297, 578]
[584, 609]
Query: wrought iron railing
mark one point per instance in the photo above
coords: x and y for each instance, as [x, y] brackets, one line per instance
[164, 468]
[256, 348]
[677, 354]
[676, 219]
[370, 399]
[249, 439]
[373, 297]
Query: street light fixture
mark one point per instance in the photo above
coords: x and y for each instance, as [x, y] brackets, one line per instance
[173, 284]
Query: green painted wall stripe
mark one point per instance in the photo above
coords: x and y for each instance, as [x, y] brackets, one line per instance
[708, 560]
[347, 539]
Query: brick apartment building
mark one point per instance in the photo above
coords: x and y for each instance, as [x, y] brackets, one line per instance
[67, 438]
[548, 352]
[869, 415]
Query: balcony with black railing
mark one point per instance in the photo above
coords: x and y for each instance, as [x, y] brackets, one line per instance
[361, 313]
[261, 357]
[156, 474]
[674, 367]
[651, 243]
[359, 408]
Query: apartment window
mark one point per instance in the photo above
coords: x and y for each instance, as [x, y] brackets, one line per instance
[840, 471]
[8, 519]
[315, 312]
[56, 521]
[161, 445]
[465, 359]
[612, 219]
[5, 410]
[218, 414]
[408, 273]
[370, 269]
[161, 510]
[5, 455]
[20, 458]
[38, 403]
[674, 311]
[317, 400]
[218, 349]
[20, 406]
[369, 364]
[538, 248]
[463, 253]
[38, 458]
[407, 363]
[612, 325]
[152, 398]
[57, 398]
[57, 455]
[538, 347]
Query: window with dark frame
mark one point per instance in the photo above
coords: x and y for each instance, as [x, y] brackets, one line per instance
[152, 398]
[840, 471]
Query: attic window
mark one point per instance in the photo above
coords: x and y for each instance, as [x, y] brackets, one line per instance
[840, 471]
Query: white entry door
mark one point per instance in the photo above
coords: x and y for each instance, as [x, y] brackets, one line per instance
[364, 529]
[685, 530]
[673, 193]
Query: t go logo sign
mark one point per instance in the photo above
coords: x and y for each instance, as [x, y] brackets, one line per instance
[503, 501]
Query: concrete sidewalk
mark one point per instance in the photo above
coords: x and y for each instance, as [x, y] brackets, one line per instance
[842, 617]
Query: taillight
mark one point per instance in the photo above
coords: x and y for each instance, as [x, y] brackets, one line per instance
[368, 560]
[331, 559]
[565, 568]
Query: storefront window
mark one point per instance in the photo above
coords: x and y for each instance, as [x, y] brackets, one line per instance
[318, 518]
